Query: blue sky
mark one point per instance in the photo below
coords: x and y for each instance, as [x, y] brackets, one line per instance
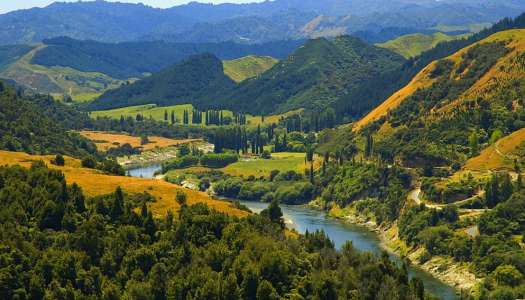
[10, 5]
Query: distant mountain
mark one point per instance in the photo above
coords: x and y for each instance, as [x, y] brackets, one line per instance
[315, 77]
[250, 23]
[85, 69]
[134, 59]
[197, 80]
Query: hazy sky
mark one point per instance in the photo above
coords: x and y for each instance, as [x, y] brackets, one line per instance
[10, 5]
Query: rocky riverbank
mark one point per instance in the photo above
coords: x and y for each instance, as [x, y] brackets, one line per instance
[444, 268]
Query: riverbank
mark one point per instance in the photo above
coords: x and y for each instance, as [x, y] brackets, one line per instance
[445, 269]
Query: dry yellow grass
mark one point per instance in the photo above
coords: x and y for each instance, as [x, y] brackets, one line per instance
[105, 140]
[497, 156]
[502, 71]
[95, 183]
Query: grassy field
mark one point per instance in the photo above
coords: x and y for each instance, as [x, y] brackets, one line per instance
[285, 161]
[57, 81]
[105, 140]
[414, 44]
[157, 113]
[95, 183]
[248, 67]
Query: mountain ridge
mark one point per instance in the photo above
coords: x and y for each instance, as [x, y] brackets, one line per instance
[105, 21]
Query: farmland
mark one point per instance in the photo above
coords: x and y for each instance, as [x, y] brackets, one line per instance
[285, 161]
[158, 113]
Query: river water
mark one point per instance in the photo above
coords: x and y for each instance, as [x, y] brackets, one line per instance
[302, 218]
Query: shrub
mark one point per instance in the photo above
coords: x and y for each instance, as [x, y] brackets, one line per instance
[59, 160]
[266, 154]
[112, 167]
[180, 163]
[89, 162]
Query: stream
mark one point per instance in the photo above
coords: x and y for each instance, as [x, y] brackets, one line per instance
[302, 218]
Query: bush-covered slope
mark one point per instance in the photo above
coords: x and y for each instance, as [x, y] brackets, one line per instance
[455, 106]
[248, 67]
[39, 125]
[66, 245]
[313, 77]
[197, 80]
[133, 59]
[369, 95]
[9, 54]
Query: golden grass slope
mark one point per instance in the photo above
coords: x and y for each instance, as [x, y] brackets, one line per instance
[505, 69]
[96, 183]
[105, 140]
[498, 156]
[248, 67]
[499, 77]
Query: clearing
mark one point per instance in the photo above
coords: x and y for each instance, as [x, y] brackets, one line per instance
[248, 67]
[283, 161]
[105, 140]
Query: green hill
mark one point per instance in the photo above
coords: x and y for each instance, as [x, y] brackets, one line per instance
[134, 59]
[313, 77]
[454, 106]
[54, 80]
[38, 125]
[414, 44]
[197, 80]
[248, 67]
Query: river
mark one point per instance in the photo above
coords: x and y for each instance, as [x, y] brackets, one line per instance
[302, 218]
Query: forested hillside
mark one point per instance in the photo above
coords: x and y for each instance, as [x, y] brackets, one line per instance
[370, 96]
[111, 247]
[314, 77]
[198, 80]
[9, 54]
[463, 96]
[134, 59]
[39, 126]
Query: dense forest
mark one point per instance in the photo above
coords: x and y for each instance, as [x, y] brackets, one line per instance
[314, 77]
[59, 244]
[39, 125]
[198, 80]
[134, 59]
